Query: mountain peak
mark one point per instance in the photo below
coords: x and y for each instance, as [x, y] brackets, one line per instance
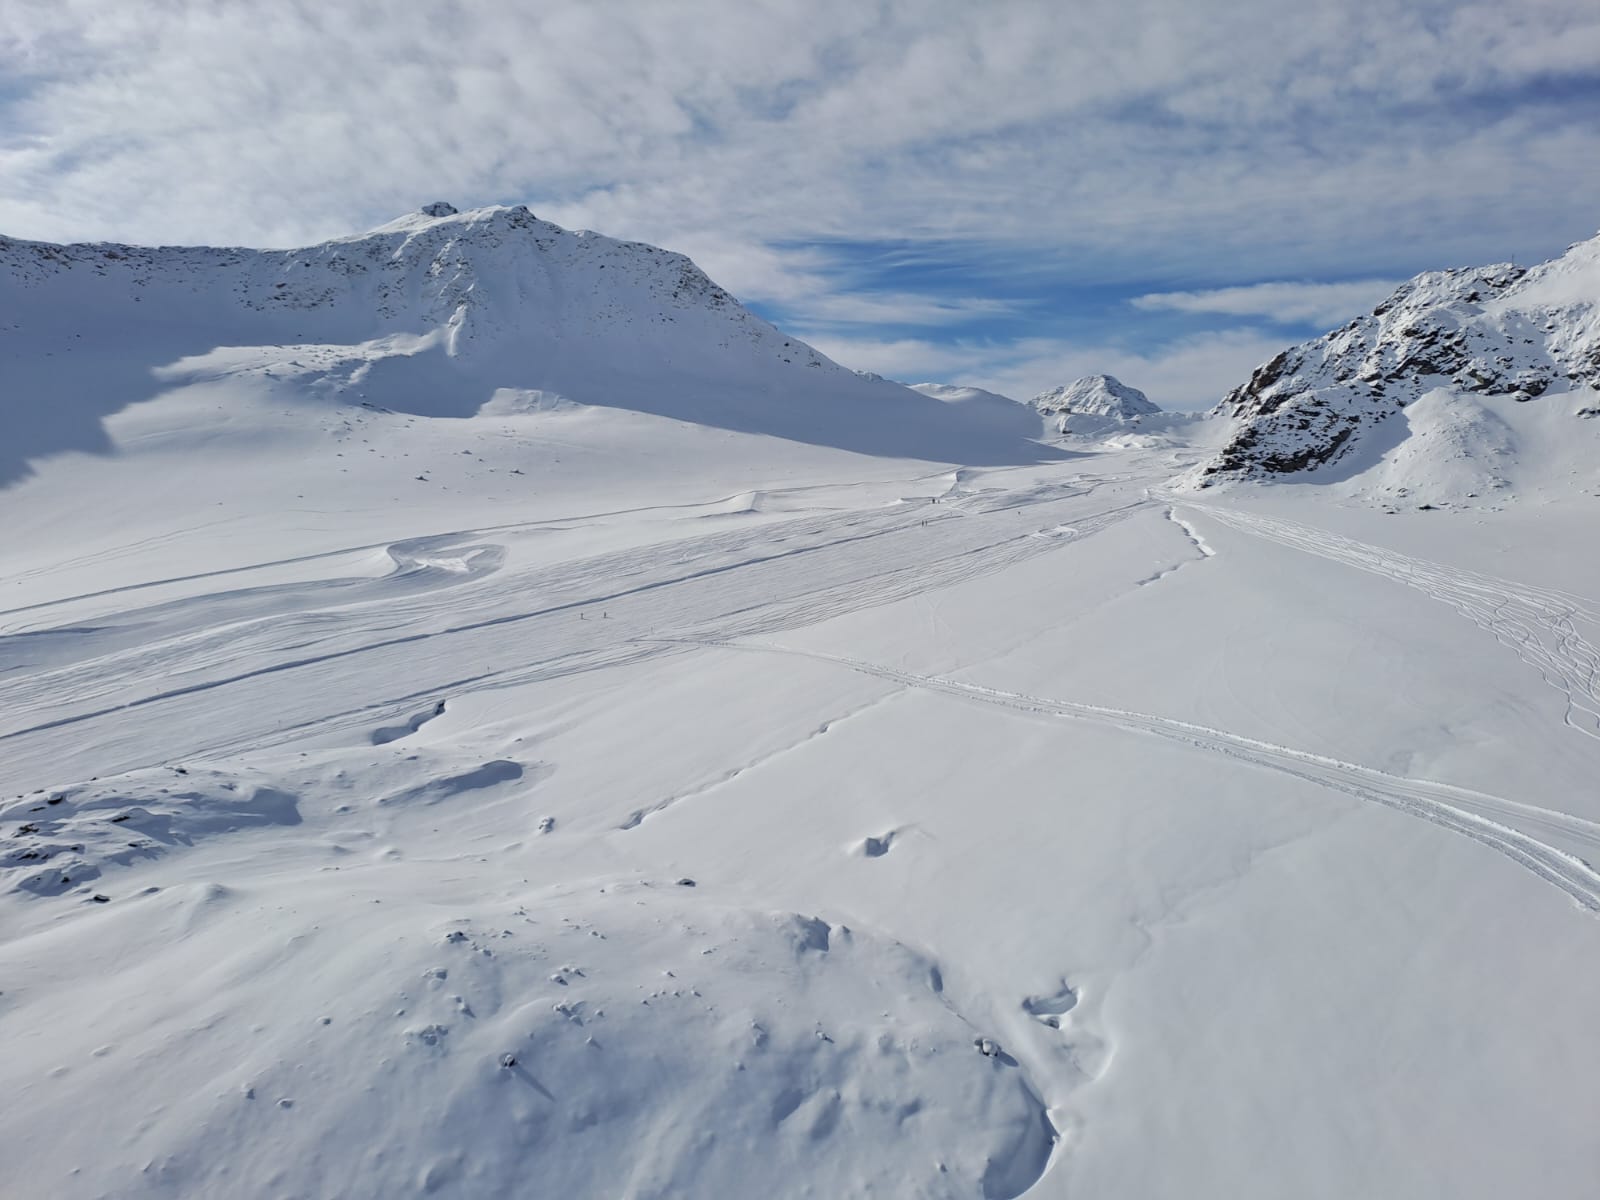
[1502, 333]
[441, 313]
[1093, 402]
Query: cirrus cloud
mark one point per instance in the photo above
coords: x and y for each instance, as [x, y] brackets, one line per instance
[1304, 303]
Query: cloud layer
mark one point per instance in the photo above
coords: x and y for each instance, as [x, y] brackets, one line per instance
[1327, 304]
[1188, 373]
[1173, 145]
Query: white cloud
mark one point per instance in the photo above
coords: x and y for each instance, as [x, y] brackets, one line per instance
[1234, 140]
[1324, 304]
[1187, 374]
[904, 308]
[811, 282]
[778, 118]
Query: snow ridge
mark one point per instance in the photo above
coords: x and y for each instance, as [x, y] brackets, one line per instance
[471, 274]
[1504, 333]
[1002, 410]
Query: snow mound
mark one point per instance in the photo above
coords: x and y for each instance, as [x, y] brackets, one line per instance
[1093, 404]
[1003, 410]
[1493, 338]
[61, 840]
[600, 1039]
[952, 393]
[1452, 449]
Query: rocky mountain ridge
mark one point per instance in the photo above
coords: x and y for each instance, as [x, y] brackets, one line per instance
[1501, 335]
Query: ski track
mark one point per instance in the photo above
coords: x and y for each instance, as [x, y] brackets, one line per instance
[1539, 624]
[442, 609]
[640, 815]
[1458, 810]
[450, 537]
[362, 652]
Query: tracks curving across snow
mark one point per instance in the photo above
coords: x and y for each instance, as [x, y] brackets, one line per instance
[1539, 624]
[364, 654]
[1476, 815]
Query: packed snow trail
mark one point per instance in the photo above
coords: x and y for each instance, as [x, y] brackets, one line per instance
[360, 651]
[1459, 810]
[1540, 624]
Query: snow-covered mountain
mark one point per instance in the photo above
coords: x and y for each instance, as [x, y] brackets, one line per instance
[1093, 404]
[429, 767]
[1452, 387]
[438, 313]
[1009, 413]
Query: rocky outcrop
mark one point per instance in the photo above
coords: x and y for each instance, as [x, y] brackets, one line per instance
[1501, 332]
[1094, 403]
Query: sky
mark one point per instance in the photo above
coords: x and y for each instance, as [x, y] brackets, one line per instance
[1006, 194]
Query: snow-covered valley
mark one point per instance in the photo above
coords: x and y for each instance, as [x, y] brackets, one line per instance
[552, 775]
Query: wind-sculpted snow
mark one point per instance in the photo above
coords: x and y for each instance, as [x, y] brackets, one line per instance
[606, 1038]
[426, 631]
[640, 829]
[68, 837]
[419, 566]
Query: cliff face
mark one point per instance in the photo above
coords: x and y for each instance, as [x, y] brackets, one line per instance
[1499, 334]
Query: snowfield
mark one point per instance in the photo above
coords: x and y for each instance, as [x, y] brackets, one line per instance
[492, 768]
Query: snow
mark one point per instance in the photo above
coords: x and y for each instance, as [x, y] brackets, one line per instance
[433, 316]
[1458, 353]
[496, 726]
[1094, 404]
[1002, 411]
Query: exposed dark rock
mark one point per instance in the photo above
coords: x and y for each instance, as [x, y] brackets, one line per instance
[1467, 331]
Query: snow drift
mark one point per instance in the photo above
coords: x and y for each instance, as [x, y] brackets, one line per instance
[1003, 410]
[1095, 404]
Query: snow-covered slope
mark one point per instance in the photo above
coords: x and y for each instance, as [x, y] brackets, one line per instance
[439, 314]
[1008, 413]
[1462, 385]
[1093, 404]
[952, 393]
[524, 792]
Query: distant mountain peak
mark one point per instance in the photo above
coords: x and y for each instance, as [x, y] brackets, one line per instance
[439, 208]
[1092, 403]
